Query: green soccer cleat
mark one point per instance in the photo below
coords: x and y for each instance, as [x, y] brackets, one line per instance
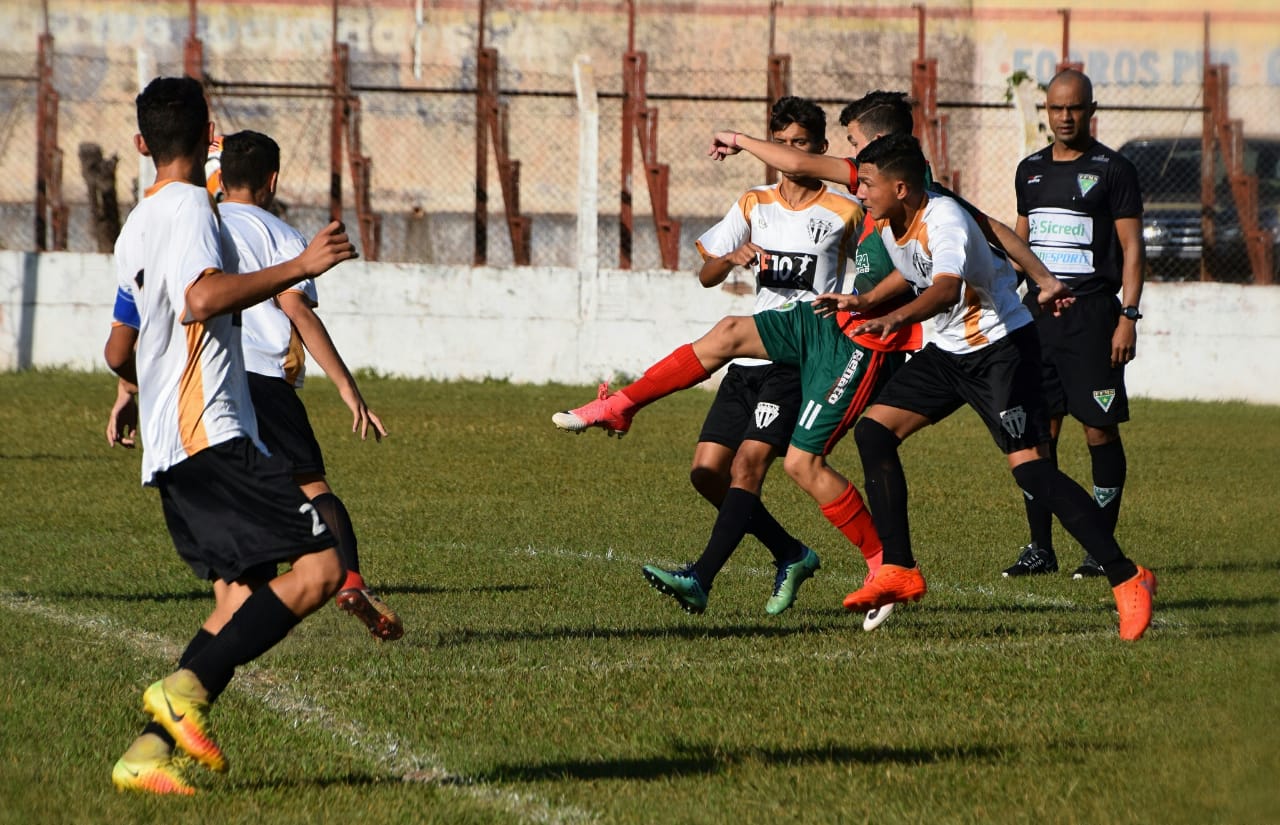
[786, 585]
[680, 585]
[177, 702]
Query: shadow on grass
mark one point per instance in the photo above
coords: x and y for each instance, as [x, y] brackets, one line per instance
[1220, 566]
[1210, 603]
[705, 760]
[74, 458]
[197, 594]
[200, 594]
[429, 590]
[753, 631]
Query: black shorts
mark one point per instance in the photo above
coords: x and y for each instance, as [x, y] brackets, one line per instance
[234, 512]
[283, 424]
[758, 403]
[1075, 352]
[1001, 382]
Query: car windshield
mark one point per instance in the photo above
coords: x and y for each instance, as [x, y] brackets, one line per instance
[1169, 170]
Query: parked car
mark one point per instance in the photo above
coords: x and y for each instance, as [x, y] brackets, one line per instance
[1169, 173]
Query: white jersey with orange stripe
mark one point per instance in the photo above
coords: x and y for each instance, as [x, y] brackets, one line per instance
[192, 389]
[944, 239]
[806, 245]
[272, 346]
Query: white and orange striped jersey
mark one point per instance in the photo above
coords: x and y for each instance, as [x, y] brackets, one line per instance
[806, 245]
[192, 389]
[944, 240]
[272, 346]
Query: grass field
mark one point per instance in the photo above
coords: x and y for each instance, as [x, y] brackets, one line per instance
[541, 680]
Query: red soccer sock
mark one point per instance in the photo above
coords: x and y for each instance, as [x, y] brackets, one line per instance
[851, 517]
[678, 371]
[354, 579]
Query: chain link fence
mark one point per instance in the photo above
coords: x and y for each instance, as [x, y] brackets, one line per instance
[706, 70]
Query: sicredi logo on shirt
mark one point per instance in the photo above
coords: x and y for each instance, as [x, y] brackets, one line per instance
[1057, 226]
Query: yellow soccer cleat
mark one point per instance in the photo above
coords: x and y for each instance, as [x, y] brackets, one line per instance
[177, 703]
[149, 766]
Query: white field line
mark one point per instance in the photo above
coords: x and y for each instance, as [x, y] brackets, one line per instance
[281, 695]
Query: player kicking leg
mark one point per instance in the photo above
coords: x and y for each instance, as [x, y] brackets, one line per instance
[839, 376]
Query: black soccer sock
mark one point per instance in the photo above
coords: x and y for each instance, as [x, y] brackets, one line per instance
[1078, 514]
[336, 518]
[260, 623]
[1040, 517]
[736, 512]
[198, 643]
[1109, 471]
[784, 547]
[885, 484]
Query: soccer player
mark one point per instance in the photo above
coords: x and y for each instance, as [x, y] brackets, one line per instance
[872, 116]
[839, 375]
[796, 236]
[1080, 206]
[986, 355]
[273, 333]
[233, 511]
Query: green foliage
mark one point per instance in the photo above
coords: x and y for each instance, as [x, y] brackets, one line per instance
[541, 679]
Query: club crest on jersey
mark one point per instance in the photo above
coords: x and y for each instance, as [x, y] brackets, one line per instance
[1086, 182]
[1104, 398]
[819, 229]
[1014, 421]
[766, 414]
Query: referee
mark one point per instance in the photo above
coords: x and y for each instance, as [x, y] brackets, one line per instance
[1080, 209]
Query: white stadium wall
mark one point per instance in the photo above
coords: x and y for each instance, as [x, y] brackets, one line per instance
[536, 325]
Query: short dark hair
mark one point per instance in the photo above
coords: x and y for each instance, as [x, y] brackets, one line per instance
[248, 160]
[792, 109]
[173, 118]
[898, 156]
[880, 113]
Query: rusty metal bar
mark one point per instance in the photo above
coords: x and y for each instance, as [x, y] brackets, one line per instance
[485, 81]
[626, 217]
[338, 91]
[193, 47]
[44, 79]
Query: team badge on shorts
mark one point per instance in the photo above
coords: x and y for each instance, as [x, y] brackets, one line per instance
[1086, 182]
[1014, 421]
[1104, 398]
[766, 414]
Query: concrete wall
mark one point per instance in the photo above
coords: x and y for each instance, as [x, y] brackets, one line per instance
[1197, 341]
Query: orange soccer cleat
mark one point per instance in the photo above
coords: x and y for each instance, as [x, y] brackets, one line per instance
[606, 412]
[889, 585]
[1133, 600]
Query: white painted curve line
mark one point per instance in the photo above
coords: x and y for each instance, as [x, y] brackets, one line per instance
[281, 695]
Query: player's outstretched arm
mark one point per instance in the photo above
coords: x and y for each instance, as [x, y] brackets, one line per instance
[217, 293]
[1020, 253]
[785, 159]
[943, 293]
[315, 337]
[829, 303]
